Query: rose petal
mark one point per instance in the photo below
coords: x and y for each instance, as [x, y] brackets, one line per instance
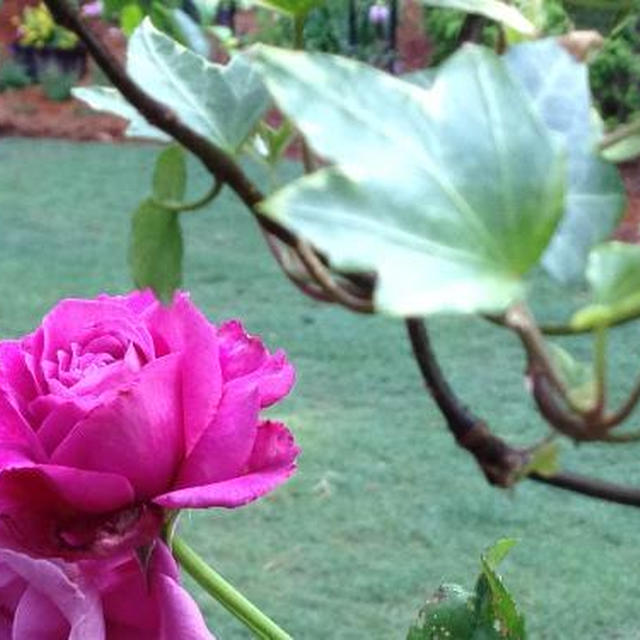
[40, 487]
[80, 321]
[151, 607]
[181, 617]
[59, 423]
[272, 462]
[182, 329]
[243, 356]
[53, 592]
[136, 301]
[17, 440]
[137, 435]
[37, 617]
[15, 376]
[226, 444]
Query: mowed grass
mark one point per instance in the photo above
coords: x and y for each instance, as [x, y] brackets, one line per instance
[384, 507]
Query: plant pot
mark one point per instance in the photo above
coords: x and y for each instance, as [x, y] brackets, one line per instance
[38, 61]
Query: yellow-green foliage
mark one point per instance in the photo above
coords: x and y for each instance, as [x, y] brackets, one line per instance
[37, 28]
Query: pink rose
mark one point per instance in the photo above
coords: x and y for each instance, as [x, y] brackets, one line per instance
[108, 600]
[118, 408]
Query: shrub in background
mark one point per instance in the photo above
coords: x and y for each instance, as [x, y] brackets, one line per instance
[615, 73]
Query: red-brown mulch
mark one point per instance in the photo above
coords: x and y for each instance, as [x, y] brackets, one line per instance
[629, 229]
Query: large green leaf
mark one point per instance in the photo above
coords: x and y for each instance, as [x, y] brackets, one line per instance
[613, 271]
[449, 194]
[559, 87]
[221, 103]
[493, 9]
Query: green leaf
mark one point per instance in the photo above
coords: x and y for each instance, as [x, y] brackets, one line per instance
[613, 271]
[131, 16]
[221, 103]
[498, 11]
[156, 248]
[170, 175]
[498, 551]
[451, 195]
[544, 461]
[626, 149]
[271, 142]
[494, 603]
[298, 8]
[110, 100]
[191, 33]
[449, 613]
[578, 377]
[559, 87]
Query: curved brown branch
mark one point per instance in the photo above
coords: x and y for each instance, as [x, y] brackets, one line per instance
[499, 461]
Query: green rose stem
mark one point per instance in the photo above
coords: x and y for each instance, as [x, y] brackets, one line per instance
[216, 586]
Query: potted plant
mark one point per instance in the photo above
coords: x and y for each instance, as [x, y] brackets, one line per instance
[43, 47]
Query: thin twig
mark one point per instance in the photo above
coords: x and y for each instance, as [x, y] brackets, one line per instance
[519, 319]
[295, 272]
[324, 278]
[625, 410]
[182, 207]
[591, 487]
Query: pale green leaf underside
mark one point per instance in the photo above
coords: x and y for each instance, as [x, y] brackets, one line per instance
[221, 103]
[450, 194]
[498, 11]
[111, 101]
[559, 88]
[613, 271]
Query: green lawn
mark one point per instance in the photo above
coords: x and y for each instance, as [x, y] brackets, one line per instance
[384, 506]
